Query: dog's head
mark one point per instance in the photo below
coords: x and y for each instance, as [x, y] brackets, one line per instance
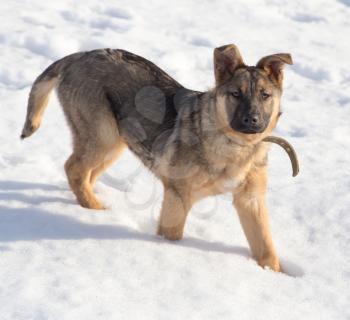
[247, 97]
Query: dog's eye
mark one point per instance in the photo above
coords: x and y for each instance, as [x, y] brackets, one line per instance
[265, 95]
[236, 94]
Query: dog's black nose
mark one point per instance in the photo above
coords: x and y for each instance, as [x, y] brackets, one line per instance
[251, 120]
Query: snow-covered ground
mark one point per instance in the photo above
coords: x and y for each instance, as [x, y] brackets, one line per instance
[60, 261]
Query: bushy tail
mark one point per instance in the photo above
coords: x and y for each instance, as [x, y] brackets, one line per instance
[37, 102]
[39, 94]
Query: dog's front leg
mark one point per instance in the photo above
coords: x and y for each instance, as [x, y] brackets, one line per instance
[173, 215]
[249, 201]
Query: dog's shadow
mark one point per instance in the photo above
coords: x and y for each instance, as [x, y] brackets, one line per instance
[10, 185]
[33, 224]
[12, 191]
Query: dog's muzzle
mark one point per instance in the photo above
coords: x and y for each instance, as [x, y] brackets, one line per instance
[249, 123]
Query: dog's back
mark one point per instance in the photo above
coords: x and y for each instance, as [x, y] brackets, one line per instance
[88, 80]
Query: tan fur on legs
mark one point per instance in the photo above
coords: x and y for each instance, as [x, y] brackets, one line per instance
[79, 173]
[173, 215]
[94, 140]
[108, 159]
[250, 205]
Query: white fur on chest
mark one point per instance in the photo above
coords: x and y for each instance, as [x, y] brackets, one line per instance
[228, 185]
[218, 184]
[228, 178]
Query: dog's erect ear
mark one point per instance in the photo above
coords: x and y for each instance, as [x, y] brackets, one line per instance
[273, 65]
[226, 60]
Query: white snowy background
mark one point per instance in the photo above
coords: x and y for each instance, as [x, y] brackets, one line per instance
[60, 261]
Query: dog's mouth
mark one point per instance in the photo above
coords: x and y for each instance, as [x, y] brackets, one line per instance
[248, 129]
[251, 130]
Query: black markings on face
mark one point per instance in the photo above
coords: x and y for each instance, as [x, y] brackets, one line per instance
[250, 100]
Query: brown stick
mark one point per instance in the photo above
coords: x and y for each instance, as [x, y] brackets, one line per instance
[289, 149]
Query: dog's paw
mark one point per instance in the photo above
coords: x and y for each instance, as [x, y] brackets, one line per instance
[270, 263]
[94, 205]
[172, 233]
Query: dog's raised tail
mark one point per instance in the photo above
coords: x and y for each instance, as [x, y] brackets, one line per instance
[39, 94]
[37, 102]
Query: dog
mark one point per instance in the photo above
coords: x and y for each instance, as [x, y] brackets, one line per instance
[198, 144]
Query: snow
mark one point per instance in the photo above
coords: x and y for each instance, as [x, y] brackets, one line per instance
[60, 261]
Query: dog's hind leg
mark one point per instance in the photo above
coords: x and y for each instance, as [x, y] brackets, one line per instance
[95, 146]
[173, 214]
[78, 168]
[109, 157]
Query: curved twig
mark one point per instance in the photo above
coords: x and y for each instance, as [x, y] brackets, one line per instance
[288, 148]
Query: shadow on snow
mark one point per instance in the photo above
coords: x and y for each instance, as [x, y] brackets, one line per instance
[32, 224]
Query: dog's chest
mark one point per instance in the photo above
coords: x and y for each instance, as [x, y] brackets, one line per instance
[222, 180]
[228, 184]
[227, 179]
